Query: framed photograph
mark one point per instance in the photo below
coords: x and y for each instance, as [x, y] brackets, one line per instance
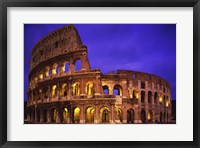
[99, 73]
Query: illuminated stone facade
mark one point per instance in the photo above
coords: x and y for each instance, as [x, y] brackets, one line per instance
[60, 93]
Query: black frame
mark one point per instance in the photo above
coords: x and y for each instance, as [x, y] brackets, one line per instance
[98, 3]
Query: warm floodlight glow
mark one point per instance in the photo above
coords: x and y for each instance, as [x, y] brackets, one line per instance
[167, 104]
[89, 88]
[41, 76]
[160, 99]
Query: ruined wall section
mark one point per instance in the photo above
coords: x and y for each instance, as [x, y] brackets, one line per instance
[57, 51]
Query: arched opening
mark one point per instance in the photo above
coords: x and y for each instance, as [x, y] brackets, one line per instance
[117, 90]
[66, 67]
[143, 116]
[45, 89]
[63, 91]
[76, 115]
[89, 89]
[44, 113]
[38, 116]
[53, 91]
[78, 65]
[142, 85]
[118, 116]
[130, 116]
[40, 94]
[104, 115]
[47, 72]
[161, 117]
[53, 115]
[76, 89]
[106, 89]
[160, 99]
[41, 75]
[55, 69]
[65, 115]
[155, 97]
[149, 97]
[142, 96]
[135, 94]
[150, 116]
[90, 115]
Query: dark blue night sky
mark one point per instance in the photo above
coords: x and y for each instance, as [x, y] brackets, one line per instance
[147, 48]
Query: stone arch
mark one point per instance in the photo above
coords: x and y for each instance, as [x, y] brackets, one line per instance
[47, 71]
[89, 89]
[65, 115]
[142, 96]
[54, 91]
[143, 116]
[117, 90]
[89, 116]
[149, 97]
[76, 89]
[106, 89]
[45, 92]
[53, 114]
[104, 115]
[150, 116]
[41, 75]
[78, 64]
[130, 115]
[76, 115]
[135, 94]
[66, 65]
[44, 114]
[63, 91]
[55, 69]
[118, 115]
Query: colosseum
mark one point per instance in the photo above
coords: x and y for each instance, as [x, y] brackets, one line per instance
[59, 92]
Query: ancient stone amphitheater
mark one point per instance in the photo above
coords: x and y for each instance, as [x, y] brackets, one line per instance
[59, 92]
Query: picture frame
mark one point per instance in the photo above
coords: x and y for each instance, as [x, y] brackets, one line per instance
[100, 3]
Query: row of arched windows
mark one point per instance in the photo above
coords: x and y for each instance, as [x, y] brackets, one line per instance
[54, 70]
[164, 99]
[89, 116]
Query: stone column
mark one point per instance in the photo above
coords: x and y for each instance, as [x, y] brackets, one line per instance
[97, 113]
[41, 116]
[58, 91]
[82, 118]
[85, 62]
[49, 93]
[48, 116]
[124, 118]
[97, 90]
[68, 115]
[112, 113]
[35, 114]
[71, 66]
[58, 115]
[153, 114]
[137, 114]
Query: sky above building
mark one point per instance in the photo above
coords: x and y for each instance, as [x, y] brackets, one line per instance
[149, 48]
